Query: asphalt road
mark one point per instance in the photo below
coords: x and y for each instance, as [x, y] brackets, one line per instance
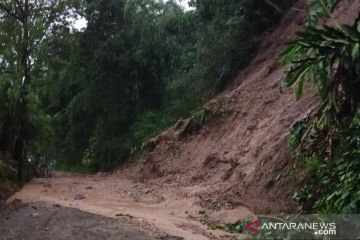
[40, 221]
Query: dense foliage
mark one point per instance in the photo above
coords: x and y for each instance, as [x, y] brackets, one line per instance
[26, 27]
[88, 98]
[137, 67]
[327, 143]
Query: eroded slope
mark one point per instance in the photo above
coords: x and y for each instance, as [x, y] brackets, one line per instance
[239, 157]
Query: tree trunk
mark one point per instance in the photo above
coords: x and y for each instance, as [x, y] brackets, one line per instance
[23, 121]
[12, 141]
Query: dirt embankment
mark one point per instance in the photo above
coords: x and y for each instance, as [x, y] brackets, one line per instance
[240, 156]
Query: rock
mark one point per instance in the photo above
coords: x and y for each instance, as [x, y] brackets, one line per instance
[79, 197]
[124, 215]
[89, 188]
[168, 237]
[35, 215]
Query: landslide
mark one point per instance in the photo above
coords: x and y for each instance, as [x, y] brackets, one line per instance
[235, 148]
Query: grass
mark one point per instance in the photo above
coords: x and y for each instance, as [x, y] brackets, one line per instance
[75, 168]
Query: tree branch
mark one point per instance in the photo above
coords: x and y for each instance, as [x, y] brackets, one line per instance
[274, 6]
[20, 7]
[299, 10]
[10, 13]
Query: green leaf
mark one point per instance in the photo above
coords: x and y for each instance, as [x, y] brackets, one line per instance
[355, 51]
[300, 86]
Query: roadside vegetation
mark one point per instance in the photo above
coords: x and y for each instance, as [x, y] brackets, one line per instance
[327, 57]
[7, 180]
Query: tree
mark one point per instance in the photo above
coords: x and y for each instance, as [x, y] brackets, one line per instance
[228, 35]
[140, 65]
[25, 25]
[327, 57]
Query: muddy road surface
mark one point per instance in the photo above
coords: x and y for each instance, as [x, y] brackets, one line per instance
[37, 221]
[90, 207]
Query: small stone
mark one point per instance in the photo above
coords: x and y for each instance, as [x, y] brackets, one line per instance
[79, 197]
[89, 188]
[35, 215]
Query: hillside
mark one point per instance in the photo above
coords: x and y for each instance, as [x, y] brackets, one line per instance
[240, 156]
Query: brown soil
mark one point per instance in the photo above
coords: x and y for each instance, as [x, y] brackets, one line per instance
[240, 157]
[159, 209]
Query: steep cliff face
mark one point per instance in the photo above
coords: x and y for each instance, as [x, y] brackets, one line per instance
[237, 151]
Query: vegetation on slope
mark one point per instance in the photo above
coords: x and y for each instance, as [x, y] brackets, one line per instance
[327, 143]
[7, 180]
